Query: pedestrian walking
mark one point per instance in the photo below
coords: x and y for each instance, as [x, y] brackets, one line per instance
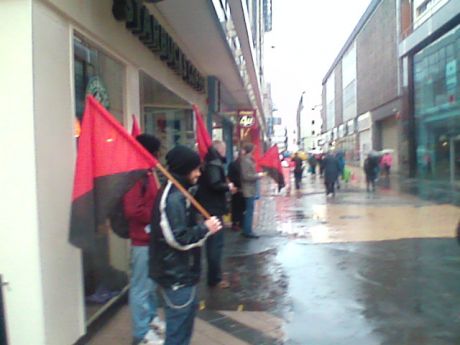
[212, 194]
[386, 162]
[249, 177]
[175, 246]
[312, 164]
[320, 158]
[237, 203]
[147, 328]
[340, 156]
[331, 173]
[298, 170]
[371, 166]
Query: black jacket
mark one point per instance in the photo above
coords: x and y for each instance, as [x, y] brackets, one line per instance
[234, 173]
[331, 169]
[176, 240]
[212, 185]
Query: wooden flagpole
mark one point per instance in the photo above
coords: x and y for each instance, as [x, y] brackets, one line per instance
[184, 191]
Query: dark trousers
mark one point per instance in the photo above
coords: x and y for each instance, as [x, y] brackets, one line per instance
[238, 206]
[214, 249]
[370, 183]
[181, 306]
[297, 178]
[330, 187]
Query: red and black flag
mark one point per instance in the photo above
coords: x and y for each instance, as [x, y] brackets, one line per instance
[271, 163]
[136, 129]
[109, 163]
[203, 138]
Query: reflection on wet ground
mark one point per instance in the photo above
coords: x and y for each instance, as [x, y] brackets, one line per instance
[390, 292]
[358, 269]
[361, 268]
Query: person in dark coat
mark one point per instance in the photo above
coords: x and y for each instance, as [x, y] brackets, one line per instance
[212, 194]
[331, 173]
[312, 163]
[320, 160]
[175, 246]
[371, 168]
[298, 170]
[238, 203]
[341, 161]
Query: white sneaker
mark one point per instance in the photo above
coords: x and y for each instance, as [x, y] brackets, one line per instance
[151, 338]
[158, 325]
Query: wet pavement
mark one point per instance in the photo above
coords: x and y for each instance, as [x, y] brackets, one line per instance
[360, 268]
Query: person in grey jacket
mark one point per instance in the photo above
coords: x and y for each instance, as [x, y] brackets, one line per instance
[175, 246]
[249, 177]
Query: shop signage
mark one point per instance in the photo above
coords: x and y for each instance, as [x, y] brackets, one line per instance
[146, 27]
[247, 118]
[97, 89]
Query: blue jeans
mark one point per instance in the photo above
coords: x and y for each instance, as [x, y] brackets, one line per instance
[248, 215]
[181, 306]
[142, 292]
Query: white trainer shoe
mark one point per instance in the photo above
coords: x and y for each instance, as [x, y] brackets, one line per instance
[151, 338]
[158, 325]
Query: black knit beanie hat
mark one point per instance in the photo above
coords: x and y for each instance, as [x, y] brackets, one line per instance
[150, 142]
[182, 160]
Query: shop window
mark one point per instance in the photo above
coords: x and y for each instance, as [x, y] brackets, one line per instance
[98, 74]
[171, 126]
[437, 110]
[105, 265]
[165, 115]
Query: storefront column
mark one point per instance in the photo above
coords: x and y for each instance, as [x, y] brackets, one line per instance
[227, 127]
[19, 238]
[213, 101]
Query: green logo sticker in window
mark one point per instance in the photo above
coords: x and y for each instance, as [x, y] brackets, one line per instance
[97, 89]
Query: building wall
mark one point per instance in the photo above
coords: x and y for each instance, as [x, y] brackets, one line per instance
[330, 102]
[19, 237]
[55, 155]
[348, 86]
[390, 140]
[377, 59]
[338, 95]
[44, 299]
[95, 19]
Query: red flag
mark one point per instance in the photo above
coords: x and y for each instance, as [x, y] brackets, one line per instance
[202, 135]
[136, 129]
[109, 163]
[271, 162]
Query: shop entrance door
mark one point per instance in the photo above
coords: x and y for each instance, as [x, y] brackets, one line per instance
[455, 159]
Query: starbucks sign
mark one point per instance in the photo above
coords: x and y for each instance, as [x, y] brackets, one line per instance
[97, 89]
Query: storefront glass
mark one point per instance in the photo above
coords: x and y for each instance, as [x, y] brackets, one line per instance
[165, 115]
[105, 266]
[437, 109]
[171, 126]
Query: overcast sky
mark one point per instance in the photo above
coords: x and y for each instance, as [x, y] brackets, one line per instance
[307, 36]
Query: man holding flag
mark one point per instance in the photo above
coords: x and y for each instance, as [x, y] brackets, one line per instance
[175, 246]
[109, 163]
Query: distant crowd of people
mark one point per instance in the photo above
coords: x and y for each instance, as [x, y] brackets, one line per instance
[331, 166]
